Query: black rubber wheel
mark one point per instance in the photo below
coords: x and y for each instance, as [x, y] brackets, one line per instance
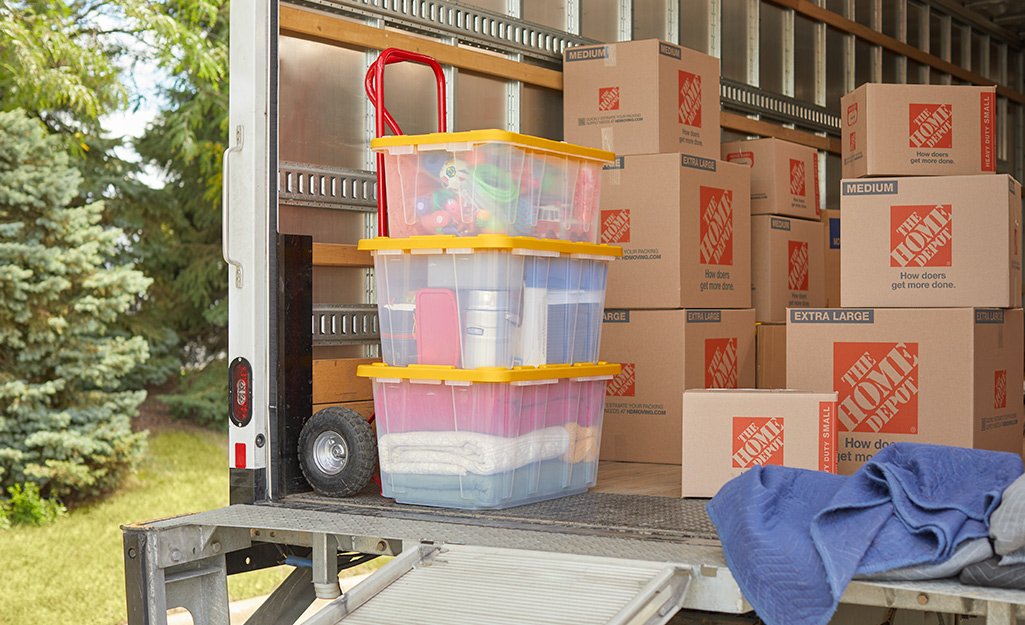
[337, 451]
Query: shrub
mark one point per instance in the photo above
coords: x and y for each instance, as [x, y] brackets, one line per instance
[27, 507]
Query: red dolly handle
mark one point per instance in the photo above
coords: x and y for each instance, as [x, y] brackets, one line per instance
[374, 85]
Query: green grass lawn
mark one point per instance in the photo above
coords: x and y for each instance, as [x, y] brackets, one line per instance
[72, 571]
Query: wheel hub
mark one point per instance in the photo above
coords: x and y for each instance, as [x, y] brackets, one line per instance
[330, 453]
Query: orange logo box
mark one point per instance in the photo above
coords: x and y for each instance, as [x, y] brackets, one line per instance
[757, 440]
[921, 236]
[624, 384]
[716, 226]
[877, 384]
[930, 126]
[608, 99]
[1000, 390]
[690, 99]
[615, 226]
[721, 363]
[798, 266]
[796, 177]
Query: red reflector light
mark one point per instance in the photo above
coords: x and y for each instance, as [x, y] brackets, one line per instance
[240, 455]
[240, 392]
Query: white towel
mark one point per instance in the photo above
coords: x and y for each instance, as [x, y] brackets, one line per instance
[459, 453]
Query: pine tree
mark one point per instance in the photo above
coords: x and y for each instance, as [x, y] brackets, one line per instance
[64, 422]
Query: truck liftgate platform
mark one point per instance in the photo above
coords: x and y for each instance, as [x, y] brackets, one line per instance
[588, 558]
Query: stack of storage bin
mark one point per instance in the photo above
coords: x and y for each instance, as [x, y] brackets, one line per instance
[490, 296]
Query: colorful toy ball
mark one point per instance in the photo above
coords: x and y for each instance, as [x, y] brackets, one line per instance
[436, 222]
[454, 174]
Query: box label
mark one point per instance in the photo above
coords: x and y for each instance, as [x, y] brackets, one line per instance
[757, 440]
[834, 233]
[852, 114]
[616, 316]
[987, 132]
[716, 231]
[874, 187]
[619, 163]
[921, 236]
[608, 99]
[741, 158]
[833, 315]
[704, 316]
[690, 99]
[615, 226]
[797, 265]
[778, 223]
[878, 386]
[815, 182]
[586, 54]
[930, 126]
[827, 436]
[989, 315]
[697, 162]
[1000, 390]
[668, 49]
[721, 363]
[797, 177]
[624, 384]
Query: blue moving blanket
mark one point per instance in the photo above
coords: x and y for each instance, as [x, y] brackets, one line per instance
[794, 538]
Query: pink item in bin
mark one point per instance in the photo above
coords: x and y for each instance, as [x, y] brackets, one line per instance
[437, 327]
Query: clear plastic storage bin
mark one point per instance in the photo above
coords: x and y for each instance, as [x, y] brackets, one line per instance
[491, 438]
[490, 300]
[491, 182]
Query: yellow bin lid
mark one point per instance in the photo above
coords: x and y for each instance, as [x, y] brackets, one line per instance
[464, 141]
[489, 374]
[502, 242]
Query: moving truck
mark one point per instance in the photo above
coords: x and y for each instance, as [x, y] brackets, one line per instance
[300, 192]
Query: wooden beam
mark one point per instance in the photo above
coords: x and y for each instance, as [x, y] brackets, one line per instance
[365, 408]
[336, 31]
[336, 255]
[806, 8]
[335, 381]
[750, 126]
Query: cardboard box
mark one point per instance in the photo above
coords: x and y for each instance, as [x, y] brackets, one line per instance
[727, 432]
[831, 230]
[641, 97]
[784, 176]
[943, 241]
[664, 352]
[684, 224]
[771, 355]
[787, 266]
[946, 376]
[918, 130]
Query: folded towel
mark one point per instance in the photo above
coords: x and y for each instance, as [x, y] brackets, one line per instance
[992, 573]
[459, 453]
[1007, 525]
[584, 441]
[969, 552]
[794, 538]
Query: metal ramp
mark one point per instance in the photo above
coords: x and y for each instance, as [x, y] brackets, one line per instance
[470, 585]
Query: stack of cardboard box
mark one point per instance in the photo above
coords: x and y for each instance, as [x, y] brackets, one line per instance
[928, 346]
[678, 305]
[787, 255]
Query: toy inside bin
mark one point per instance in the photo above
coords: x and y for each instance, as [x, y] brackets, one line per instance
[488, 438]
[490, 300]
[491, 182]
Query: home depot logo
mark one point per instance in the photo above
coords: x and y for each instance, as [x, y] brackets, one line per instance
[757, 440]
[721, 363]
[798, 265]
[877, 384]
[615, 226]
[921, 236]
[852, 114]
[1000, 390]
[796, 177]
[931, 125]
[690, 99]
[716, 226]
[608, 99]
[624, 384]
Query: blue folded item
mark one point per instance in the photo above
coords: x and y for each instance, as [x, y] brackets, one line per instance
[794, 538]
